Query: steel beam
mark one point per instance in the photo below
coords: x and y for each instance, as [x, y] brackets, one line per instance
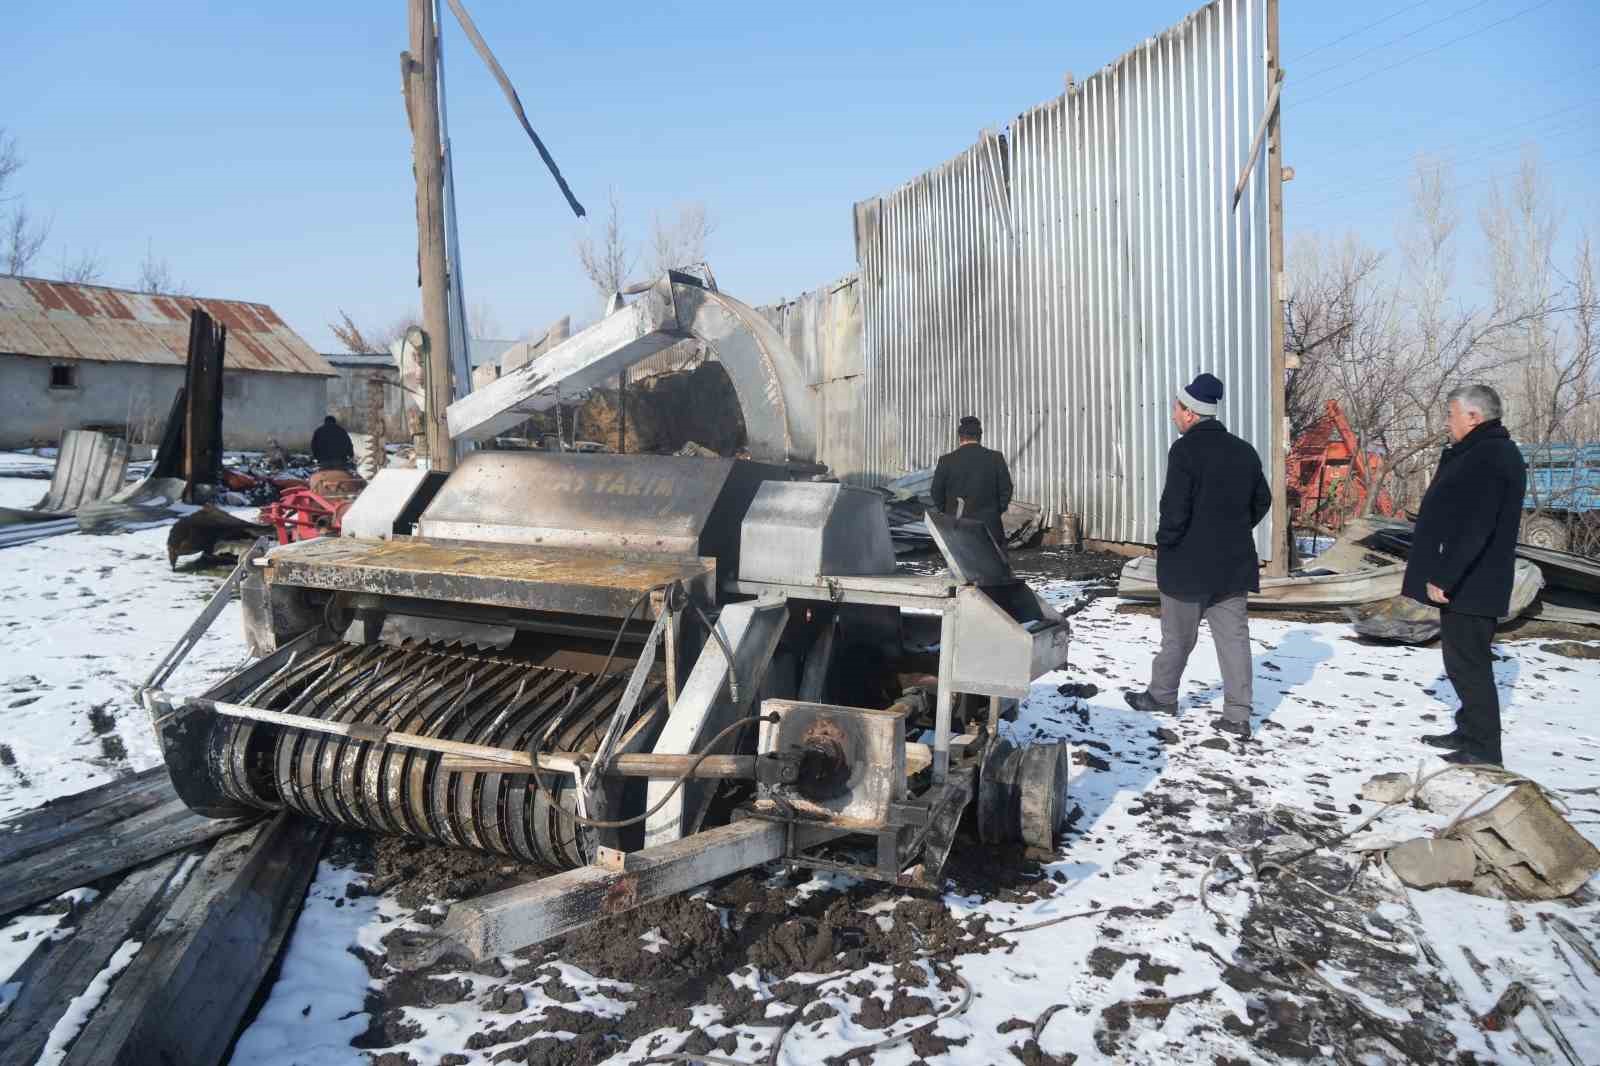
[707, 704]
[514, 918]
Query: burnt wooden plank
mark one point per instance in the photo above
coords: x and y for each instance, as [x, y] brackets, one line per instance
[183, 996]
[111, 849]
[61, 819]
[60, 970]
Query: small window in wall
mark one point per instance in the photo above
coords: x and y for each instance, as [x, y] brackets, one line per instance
[63, 376]
[232, 387]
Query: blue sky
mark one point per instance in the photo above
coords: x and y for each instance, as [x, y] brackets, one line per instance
[262, 149]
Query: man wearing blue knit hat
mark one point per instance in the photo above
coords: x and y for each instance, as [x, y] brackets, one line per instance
[1206, 564]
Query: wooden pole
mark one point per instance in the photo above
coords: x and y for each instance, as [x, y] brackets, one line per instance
[422, 105]
[1277, 471]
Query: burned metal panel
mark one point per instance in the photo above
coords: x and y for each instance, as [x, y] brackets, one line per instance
[57, 320]
[1062, 280]
[524, 578]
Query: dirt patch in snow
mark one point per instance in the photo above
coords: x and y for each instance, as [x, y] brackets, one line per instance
[693, 951]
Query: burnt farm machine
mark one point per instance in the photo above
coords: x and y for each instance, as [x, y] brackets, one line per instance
[639, 673]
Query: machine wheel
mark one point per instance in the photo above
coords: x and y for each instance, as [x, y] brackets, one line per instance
[995, 792]
[1546, 531]
[1043, 794]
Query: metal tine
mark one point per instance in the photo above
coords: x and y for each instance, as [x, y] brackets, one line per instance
[322, 758]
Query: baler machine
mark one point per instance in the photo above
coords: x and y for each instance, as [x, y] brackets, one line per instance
[646, 672]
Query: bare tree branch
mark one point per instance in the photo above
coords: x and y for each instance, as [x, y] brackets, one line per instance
[21, 239]
[155, 276]
[85, 268]
[607, 263]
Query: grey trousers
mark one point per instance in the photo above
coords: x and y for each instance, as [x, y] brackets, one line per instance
[1230, 632]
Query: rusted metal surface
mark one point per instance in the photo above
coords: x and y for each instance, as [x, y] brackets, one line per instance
[600, 584]
[1063, 279]
[57, 320]
[609, 503]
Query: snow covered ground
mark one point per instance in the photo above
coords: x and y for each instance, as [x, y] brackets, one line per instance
[1151, 971]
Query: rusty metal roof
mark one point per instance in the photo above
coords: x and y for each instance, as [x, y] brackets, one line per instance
[57, 320]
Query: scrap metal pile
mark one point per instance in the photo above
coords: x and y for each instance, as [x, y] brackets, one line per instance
[1361, 573]
[648, 671]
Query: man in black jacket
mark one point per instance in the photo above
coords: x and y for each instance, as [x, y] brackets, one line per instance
[1206, 562]
[1463, 558]
[331, 446]
[973, 481]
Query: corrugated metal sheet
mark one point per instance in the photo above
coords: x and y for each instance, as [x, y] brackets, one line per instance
[1062, 280]
[57, 320]
[823, 330]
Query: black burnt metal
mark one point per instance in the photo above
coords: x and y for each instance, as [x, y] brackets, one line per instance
[496, 700]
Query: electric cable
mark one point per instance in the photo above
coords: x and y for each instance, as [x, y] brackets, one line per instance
[677, 782]
[1395, 41]
[1359, 30]
[1419, 55]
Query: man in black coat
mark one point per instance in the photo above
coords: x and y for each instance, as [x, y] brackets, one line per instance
[1463, 559]
[331, 446]
[973, 481]
[1206, 564]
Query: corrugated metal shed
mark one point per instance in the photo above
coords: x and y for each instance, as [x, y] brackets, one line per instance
[57, 320]
[1063, 278]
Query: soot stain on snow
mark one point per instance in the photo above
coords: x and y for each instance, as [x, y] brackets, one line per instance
[706, 943]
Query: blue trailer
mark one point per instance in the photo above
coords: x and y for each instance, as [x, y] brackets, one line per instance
[1562, 508]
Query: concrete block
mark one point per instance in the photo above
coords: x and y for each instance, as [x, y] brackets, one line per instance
[1424, 863]
[1386, 788]
[1533, 851]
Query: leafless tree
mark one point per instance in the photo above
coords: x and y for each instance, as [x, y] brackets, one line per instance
[482, 322]
[10, 161]
[1335, 306]
[155, 275]
[680, 242]
[22, 236]
[1442, 343]
[371, 339]
[83, 269]
[608, 261]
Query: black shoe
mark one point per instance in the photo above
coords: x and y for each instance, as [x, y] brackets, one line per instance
[1472, 757]
[1143, 701]
[1238, 729]
[1451, 741]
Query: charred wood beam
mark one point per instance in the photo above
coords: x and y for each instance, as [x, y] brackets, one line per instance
[60, 970]
[79, 857]
[184, 994]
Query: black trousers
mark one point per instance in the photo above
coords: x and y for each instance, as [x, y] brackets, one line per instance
[1469, 663]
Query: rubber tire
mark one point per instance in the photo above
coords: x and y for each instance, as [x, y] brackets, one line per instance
[1546, 531]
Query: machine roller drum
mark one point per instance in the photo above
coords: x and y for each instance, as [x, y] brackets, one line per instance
[472, 697]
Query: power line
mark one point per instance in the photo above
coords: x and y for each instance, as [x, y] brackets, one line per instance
[1358, 30]
[1437, 48]
[1453, 40]
[1495, 148]
[1479, 181]
[1397, 40]
[1367, 143]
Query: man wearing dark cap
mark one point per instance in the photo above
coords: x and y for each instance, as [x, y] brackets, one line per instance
[973, 481]
[1206, 562]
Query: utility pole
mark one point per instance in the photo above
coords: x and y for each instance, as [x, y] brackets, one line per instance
[1277, 462]
[420, 73]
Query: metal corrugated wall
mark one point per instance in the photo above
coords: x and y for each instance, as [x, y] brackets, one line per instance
[1061, 281]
